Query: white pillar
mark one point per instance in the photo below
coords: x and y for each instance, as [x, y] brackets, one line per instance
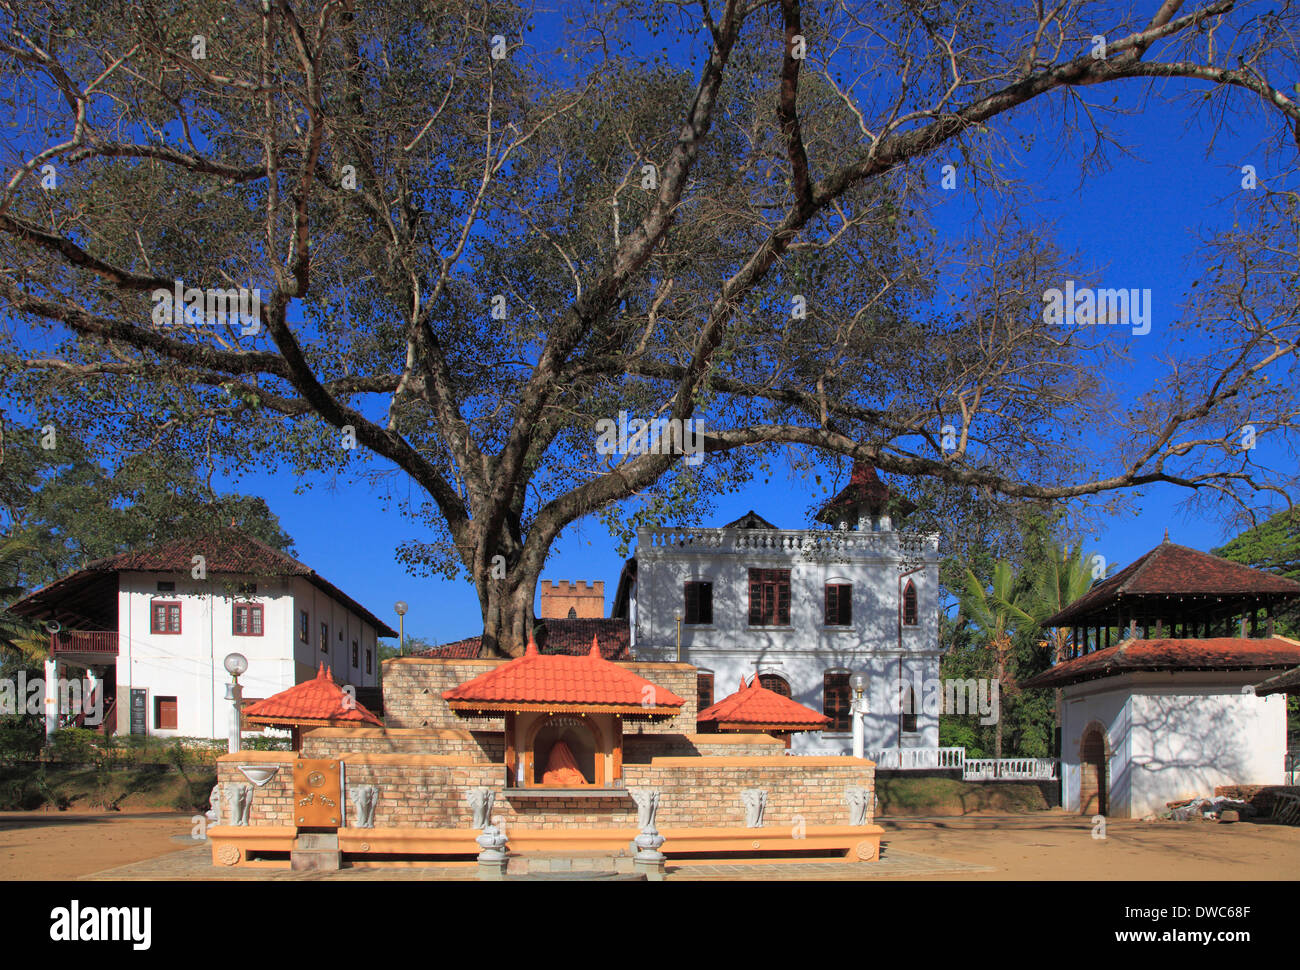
[859, 710]
[233, 694]
[51, 698]
[94, 711]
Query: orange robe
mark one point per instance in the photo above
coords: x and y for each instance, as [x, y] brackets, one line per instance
[561, 768]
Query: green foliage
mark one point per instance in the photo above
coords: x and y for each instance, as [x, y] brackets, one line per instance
[61, 508]
[1273, 546]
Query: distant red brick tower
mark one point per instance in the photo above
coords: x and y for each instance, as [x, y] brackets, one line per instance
[566, 600]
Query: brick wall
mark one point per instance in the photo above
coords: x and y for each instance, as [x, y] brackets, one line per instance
[1260, 797]
[640, 748]
[413, 689]
[586, 599]
[472, 745]
[424, 791]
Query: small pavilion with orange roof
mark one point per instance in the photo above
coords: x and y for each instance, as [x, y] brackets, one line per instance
[563, 715]
[756, 708]
[318, 702]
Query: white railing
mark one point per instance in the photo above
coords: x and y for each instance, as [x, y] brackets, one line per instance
[1009, 769]
[918, 759]
[972, 769]
[808, 542]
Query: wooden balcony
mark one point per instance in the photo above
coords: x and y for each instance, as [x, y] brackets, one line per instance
[84, 647]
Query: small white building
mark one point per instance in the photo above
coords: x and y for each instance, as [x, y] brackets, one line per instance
[1155, 718]
[802, 609]
[152, 628]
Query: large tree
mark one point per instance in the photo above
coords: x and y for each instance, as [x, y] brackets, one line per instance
[469, 248]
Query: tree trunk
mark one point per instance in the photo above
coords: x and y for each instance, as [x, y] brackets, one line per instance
[507, 606]
[997, 728]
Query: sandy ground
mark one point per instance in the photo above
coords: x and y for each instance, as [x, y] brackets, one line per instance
[1042, 846]
[65, 845]
[1054, 845]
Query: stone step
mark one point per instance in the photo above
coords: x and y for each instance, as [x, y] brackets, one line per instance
[585, 864]
[310, 841]
[315, 860]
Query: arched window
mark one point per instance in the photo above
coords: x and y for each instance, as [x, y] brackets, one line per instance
[907, 723]
[910, 612]
[573, 612]
[775, 683]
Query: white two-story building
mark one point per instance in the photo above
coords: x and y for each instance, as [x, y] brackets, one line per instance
[151, 630]
[801, 608]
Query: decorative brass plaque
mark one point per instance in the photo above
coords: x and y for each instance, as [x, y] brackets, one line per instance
[317, 793]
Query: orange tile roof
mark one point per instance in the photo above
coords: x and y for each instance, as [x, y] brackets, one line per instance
[315, 700]
[536, 680]
[753, 705]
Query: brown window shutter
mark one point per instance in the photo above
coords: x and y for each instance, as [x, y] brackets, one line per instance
[755, 597]
[836, 697]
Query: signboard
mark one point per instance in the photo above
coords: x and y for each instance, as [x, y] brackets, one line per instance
[318, 793]
[139, 710]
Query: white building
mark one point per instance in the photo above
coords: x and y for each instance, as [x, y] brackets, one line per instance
[1169, 712]
[803, 609]
[151, 629]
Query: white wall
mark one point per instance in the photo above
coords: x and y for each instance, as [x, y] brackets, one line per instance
[806, 649]
[189, 665]
[1175, 735]
[344, 627]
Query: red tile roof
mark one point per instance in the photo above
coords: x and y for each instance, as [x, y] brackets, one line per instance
[313, 701]
[467, 649]
[1170, 570]
[864, 488]
[227, 551]
[1211, 653]
[538, 681]
[555, 636]
[754, 706]
[1287, 683]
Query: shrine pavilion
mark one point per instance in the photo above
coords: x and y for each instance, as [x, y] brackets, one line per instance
[756, 708]
[1158, 699]
[318, 702]
[499, 762]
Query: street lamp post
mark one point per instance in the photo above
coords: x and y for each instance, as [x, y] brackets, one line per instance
[236, 664]
[859, 682]
[678, 615]
[400, 609]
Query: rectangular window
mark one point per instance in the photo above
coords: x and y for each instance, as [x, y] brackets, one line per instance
[248, 620]
[164, 617]
[839, 604]
[837, 696]
[304, 627]
[164, 713]
[769, 597]
[356, 654]
[704, 690]
[166, 586]
[369, 660]
[324, 638]
[699, 603]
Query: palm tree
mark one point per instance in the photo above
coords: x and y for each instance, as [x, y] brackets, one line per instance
[995, 612]
[1062, 578]
[18, 636]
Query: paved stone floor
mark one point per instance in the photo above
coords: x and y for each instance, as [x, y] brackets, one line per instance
[195, 863]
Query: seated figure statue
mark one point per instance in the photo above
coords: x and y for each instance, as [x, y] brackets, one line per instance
[561, 768]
